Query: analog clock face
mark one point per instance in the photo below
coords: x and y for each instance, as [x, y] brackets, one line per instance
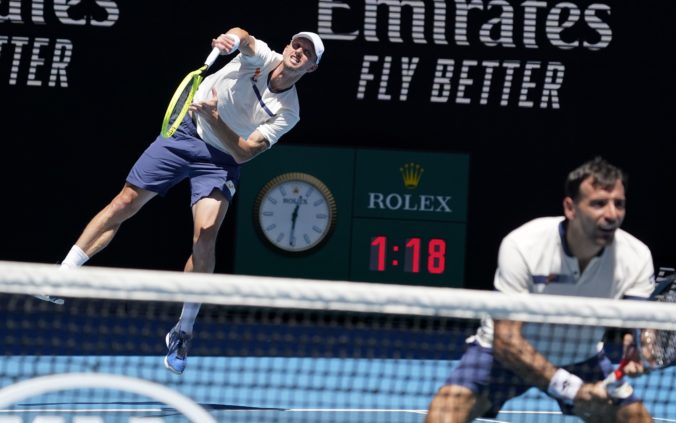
[295, 212]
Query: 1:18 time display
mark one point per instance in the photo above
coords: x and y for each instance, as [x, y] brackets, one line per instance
[419, 255]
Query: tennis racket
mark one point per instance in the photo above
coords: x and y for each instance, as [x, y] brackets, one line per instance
[180, 102]
[656, 348]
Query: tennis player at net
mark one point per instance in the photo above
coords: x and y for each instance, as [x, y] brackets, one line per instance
[239, 112]
[585, 254]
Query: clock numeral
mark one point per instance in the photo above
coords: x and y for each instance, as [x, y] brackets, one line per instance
[280, 237]
[317, 229]
[309, 192]
[307, 239]
[267, 213]
[270, 227]
[282, 189]
[272, 200]
[318, 202]
[321, 216]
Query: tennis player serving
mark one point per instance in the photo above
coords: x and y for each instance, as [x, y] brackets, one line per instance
[238, 112]
[583, 253]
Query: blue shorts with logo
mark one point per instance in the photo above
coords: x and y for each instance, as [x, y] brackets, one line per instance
[168, 161]
[480, 372]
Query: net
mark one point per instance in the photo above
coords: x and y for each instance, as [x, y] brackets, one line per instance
[276, 350]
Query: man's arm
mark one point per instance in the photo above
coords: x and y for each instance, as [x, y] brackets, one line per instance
[517, 354]
[247, 43]
[242, 150]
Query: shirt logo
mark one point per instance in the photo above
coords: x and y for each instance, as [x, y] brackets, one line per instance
[256, 74]
[553, 278]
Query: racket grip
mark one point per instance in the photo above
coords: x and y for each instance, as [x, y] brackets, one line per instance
[212, 56]
[617, 374]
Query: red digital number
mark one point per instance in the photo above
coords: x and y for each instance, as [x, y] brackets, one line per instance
[377, 259]
[436, 256]
[412, 259]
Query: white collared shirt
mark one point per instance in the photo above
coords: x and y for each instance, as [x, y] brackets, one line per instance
[245, 102]
[534, 259]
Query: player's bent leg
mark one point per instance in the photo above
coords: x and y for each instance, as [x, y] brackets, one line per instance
[456, 404]
[103, 227]
[208, 215]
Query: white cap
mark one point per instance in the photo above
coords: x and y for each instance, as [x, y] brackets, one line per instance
[316, 42]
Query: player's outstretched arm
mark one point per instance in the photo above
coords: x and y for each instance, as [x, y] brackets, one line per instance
[234, 39]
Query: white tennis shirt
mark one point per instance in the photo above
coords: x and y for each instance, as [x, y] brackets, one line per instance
[245, 102]
[534, 259]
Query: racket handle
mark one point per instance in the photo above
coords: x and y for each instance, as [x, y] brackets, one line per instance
[617, 374]
[212, 57]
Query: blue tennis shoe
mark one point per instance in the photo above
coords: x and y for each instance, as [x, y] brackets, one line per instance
[178, 343]
[49, 298]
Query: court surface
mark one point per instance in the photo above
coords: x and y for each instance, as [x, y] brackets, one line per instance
[285, 394]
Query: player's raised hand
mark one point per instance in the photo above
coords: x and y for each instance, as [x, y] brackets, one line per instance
[226, 43]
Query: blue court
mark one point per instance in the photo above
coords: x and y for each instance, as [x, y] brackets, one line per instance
[265, 389]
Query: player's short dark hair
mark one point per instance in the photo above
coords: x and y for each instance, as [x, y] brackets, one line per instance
[603, 173]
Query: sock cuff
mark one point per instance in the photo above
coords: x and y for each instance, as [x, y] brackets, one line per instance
[78, 251]
[75, 258]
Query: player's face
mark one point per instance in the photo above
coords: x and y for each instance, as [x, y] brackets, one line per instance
[300, 55]
[598, 212]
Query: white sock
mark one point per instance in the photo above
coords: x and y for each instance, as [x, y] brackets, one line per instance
[75, 258]
[188, 317]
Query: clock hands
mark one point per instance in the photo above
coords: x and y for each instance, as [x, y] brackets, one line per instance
[294, 217]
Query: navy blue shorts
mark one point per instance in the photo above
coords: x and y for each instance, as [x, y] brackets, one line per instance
[168, 161]
[483, 375]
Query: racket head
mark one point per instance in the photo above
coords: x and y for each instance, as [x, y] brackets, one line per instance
[657, 348]
[661, 352]
[180, 101]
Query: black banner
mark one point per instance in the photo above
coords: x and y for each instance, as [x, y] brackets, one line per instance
[529, 89]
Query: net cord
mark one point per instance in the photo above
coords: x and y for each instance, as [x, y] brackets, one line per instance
[256, 291]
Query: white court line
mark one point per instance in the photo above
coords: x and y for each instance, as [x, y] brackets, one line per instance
[529, 412]
[85, 410]
[355, 410]
[297, 410]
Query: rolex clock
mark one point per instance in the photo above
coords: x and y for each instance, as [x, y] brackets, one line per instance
[295, 213]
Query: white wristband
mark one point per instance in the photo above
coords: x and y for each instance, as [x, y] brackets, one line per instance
[236, 40]
[564, 385]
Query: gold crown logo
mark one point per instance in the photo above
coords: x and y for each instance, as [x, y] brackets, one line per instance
[411, 174]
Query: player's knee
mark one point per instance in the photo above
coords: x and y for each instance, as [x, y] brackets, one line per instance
[457, 393]
[451, 404]
[635, 413]
[124, 204]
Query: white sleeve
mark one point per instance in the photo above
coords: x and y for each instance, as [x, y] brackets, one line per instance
[644, 277]
[261, 56]
[512, 275]
[278, 125]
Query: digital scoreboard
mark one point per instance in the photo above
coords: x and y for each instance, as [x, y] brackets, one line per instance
[386, 216]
